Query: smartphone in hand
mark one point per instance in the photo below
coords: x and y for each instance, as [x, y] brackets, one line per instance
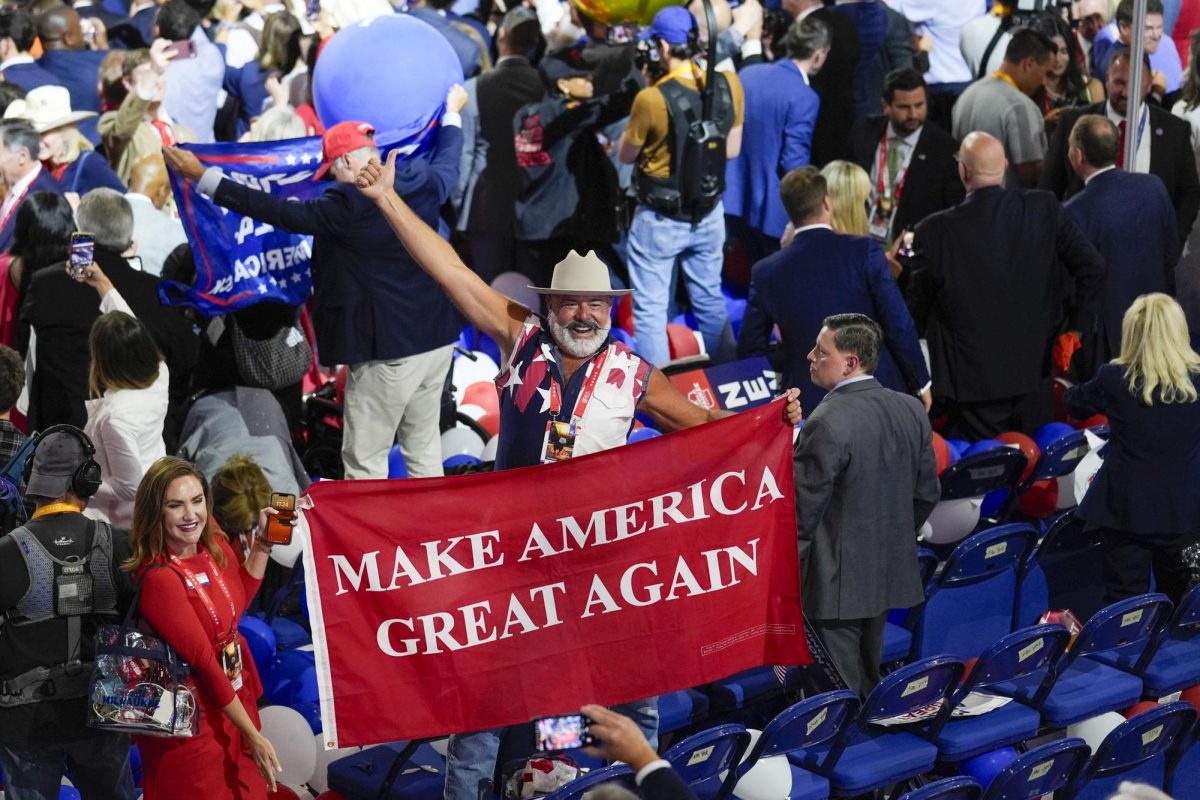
[82, 253]
[567, 732]
[180, 49]
[279, 526]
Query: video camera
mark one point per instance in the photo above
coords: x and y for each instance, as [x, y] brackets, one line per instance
[1026, 11]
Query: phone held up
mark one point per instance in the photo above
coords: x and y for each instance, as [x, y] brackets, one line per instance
[82, 254]
[567, 732]
[279, 526]
[181, 49]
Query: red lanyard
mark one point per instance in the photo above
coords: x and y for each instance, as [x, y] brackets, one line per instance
[879, 183]
[585, 396]
[194, 584]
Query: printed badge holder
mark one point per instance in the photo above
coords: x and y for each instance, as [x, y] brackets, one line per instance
[140, 685]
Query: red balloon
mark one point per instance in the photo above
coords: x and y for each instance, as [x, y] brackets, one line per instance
[969, 665]
[490, 422]
[482, 394]
[1027, 446]
[1094, 421]
[339, 385]
[330, 794]
[682, 341]
[1138, 708]
[1040, 500]
[282, 793]
[625, 313]
[941, 452]
[1192, 696]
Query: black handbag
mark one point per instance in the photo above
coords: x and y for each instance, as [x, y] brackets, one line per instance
[272, 363]
[139, 684]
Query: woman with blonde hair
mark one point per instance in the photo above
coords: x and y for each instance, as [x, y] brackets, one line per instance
[65, 151]
[849, 190]
[193, 592]
[1146, 497]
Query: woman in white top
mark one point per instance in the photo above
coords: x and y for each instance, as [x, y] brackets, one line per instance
[128, 385]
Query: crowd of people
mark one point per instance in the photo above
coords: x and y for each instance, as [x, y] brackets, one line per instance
[925, 204]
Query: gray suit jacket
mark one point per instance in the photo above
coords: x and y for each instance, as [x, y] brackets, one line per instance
[866, 479]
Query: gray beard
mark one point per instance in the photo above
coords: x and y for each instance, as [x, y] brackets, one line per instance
[576, 348]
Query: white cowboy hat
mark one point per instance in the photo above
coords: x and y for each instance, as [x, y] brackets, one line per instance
[580, 274]
[46, 108]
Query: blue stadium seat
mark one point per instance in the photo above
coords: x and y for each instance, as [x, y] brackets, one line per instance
[705, 760]
[897, 637]
[590, 780]
[869, 755]
[1086, 687]
[1174, 652]
[970, 603]
[765, 772]
[1041, 771]
[1027, 653]
[1063, 572]
[1136, 750]
[976, 475]
[364, 774]
[958, 788]
[1184, 768]
[677, 710]
[1062, 456]
[742, 689]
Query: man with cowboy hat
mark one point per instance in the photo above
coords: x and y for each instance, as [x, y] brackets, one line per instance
[565, 385]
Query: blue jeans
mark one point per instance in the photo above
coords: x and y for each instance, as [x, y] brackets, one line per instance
[471, 757]
[98, 765]
[656, 245]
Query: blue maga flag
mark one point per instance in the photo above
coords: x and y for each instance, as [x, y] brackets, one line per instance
[239, 260]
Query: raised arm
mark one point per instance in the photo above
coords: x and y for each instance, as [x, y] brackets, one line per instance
[486, 308]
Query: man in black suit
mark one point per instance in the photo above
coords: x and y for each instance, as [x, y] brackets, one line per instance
[985, 287]
[61, 311]
[22, 173]
[1164, 145]
[858, 557]
[489, 181]
[911, 162]
[834, 83]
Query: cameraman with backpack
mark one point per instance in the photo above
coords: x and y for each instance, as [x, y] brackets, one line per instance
[679, 140]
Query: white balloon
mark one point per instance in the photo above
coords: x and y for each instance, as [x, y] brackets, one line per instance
[769, 778]
[440, 745]
[320, 779]
[952, 520]
[471, 410]
[489, 449]
[292, 738]
[1094, 730]
[289, 554]
[468, 371]
[461, 441]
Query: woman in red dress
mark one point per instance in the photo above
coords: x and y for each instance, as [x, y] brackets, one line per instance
[193, 602]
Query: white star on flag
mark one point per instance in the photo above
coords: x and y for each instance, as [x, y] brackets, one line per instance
[262, 288]
[545, 393]
[513, 379]
[291, 159]
[297, 277]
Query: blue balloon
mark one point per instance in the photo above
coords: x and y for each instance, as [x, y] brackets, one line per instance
[396, 466]
[687, 320]
[260, 638]
[958, 447]
[280, 677]
[404, 100]
[487, 345]
[304, 688]
[642, 434]
[461, 460]
[135, 764]
[289, 634]
[982, 447]
[621, 336]
[311, 713]
[68, 793]
[985, 767]
[992, 502]
[1050, 433]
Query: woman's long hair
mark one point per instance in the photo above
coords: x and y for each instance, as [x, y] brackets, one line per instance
[280, 44]
[1191, 80]
[849, 190]
[41, 234]
[1074, 81]
[147, 539]
[1159, 362]
[123, 354]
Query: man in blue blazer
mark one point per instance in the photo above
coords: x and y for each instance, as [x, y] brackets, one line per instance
[17, 33]
[821, 273]
[373, 308]
[781, 111]
[1112, 204]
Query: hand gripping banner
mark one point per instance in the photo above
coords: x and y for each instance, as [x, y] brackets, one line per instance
[442, 605]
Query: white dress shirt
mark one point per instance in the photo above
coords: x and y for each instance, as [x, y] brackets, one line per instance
[1142, 160]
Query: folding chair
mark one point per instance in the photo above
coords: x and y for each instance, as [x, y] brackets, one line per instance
[678, 710]
[876, 749]
[575, 789]
[1025, 653]
[1063, 572]
[897, 638]
[1174, 652]
[1062, 456]
[1184, 767]
[959, 788]
[969, 605]
[1041, 771]
[1086, 687]
[1135, 750]
[765, 772]
[705, 760]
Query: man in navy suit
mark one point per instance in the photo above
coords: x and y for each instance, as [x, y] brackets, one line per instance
[17, 32]
[821, 273]
[373, 307]
[1112, 204]
[21, 172]
[67, 56]
[781, 112]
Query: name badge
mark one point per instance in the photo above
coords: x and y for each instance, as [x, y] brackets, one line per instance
[231, 662]
[559, 444]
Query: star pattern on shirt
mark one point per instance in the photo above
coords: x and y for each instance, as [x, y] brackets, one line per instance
[513, 379]
[545, 393]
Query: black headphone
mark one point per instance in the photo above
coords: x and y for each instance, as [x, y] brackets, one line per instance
[85, 481]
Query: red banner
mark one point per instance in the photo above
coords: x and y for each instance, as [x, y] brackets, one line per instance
[453, 604]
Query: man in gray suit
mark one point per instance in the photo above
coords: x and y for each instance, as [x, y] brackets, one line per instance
[866, 480]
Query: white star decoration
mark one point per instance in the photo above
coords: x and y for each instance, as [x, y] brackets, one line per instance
[513, 379]
[297, 277]
[545, 393]
[291, 159]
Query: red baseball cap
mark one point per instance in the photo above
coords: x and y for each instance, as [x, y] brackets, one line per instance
[343, 138]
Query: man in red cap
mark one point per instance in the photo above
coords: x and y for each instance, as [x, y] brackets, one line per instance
[373, 308]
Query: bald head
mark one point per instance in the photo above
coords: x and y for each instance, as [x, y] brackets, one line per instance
[59, 29]
[981, 161]
[1093, 144]
[149, 177]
